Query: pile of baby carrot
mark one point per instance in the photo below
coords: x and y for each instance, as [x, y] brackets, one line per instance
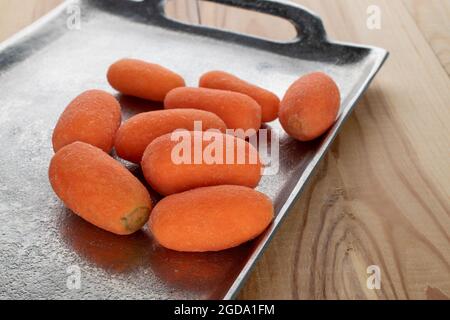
[206, 206]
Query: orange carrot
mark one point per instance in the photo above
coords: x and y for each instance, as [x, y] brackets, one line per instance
[173, 164]
[99, 189]
[92, 117]
[310, 106]
[139, 131]
[268, 101]
[211, 218]
[237, 110]
[142, 79]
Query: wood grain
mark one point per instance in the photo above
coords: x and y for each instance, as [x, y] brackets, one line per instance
[381, 195]
[15, 15]
[234, 19]
[432, 18]
[186, 11]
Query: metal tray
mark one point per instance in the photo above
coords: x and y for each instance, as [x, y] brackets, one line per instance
[42, 68]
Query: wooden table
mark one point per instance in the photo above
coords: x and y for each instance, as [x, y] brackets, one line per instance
[381, 195]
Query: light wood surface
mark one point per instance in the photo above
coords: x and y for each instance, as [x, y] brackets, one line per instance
[381, 195]
[15, 15]
[432, 18]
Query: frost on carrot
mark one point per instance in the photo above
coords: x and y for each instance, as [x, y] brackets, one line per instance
[211, 218]
[99, 189]
[237, 110]
[92, 117]
[139, 131]
[221, 80]
[310, 106]
[143, 79]
[181, 161]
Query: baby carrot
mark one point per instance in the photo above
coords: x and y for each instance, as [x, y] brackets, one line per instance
[92, 117]
[99, 189]
[210, 218]
[197, 159]
[139, 131]
[237, 110]
[143, 79]
[268, 101]
[310, 106]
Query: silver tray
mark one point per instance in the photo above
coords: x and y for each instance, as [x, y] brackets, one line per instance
[42, 244]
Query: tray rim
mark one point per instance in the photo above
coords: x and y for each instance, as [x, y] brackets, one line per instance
[53, 13]
[381, 57]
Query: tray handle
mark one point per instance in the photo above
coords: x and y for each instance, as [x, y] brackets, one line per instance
[309, 27]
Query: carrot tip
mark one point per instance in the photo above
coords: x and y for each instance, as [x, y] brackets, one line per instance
[134, 220]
